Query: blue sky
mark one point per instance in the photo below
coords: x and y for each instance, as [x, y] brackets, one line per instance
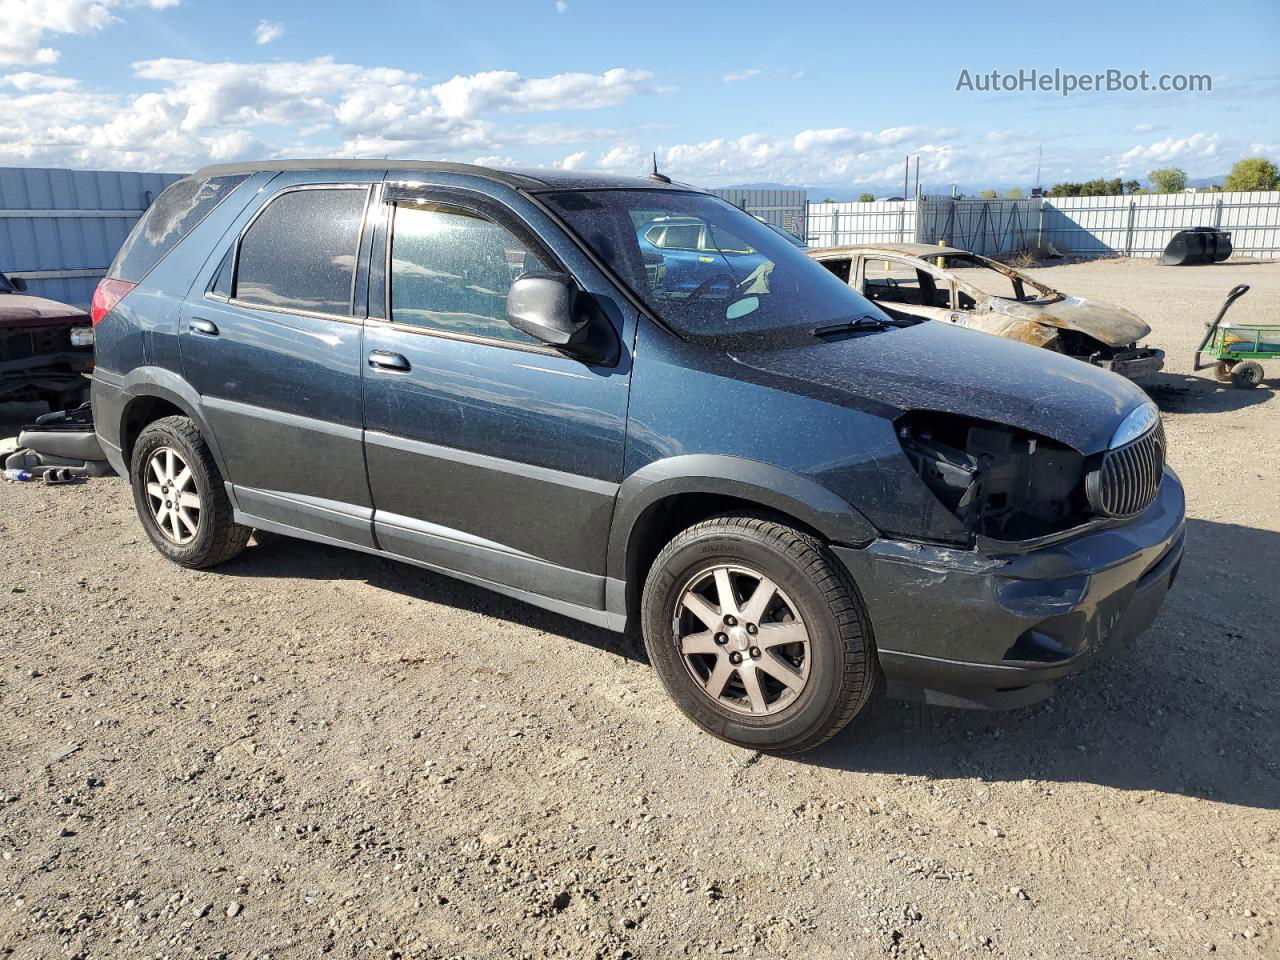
[804, 93]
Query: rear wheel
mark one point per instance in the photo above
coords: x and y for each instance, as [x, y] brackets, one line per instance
[180, 497]
[1246, 375]
[758, 634]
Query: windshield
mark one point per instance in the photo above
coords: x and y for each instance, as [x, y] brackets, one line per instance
[704, 266]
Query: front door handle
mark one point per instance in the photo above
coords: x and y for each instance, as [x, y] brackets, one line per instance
[386, 360]
[201, 325]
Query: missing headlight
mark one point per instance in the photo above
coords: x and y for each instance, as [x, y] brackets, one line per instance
[1000, 482]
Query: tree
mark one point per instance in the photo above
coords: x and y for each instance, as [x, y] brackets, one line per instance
[866, 198]
[1253, 173]
[1132, 186]
[987, 195]
[1014, 193]
[1168, 179]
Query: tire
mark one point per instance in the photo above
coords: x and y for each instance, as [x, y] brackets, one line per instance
[1246, 375]
[801, 694]
[1222, 370]
[197, 530]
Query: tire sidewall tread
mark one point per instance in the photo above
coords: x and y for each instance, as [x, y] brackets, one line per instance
[842, 670]
[218, 537]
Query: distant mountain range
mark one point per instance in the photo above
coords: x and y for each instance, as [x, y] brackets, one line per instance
[881, 191]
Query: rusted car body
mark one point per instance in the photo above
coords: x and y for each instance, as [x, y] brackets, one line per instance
[46, 348]
[955, 286]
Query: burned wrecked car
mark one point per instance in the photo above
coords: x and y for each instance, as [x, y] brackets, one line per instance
[944, 283]
[46, 348]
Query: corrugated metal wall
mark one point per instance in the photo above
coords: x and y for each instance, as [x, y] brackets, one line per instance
[782, 208]
[877, 221]
[60, 229]
[1142, 225]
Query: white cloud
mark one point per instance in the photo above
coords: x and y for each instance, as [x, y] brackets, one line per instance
[267, 31]
[504, 91]
[25, 25]
[1143, 127]
[561, 6]
[1140, 158]
[199, 111]
[37, 81]
[741, 75]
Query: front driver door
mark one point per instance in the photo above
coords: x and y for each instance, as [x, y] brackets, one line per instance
[490, 454]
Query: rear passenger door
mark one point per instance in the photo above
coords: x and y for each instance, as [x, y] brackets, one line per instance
[273, 345]
[490, 454]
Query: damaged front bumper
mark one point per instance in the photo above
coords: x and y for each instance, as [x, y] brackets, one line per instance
[985, 629]
[1135, 363]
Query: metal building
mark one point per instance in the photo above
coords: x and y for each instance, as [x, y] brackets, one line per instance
[60, 229]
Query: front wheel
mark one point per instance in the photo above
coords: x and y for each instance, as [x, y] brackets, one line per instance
[180, 497]
[758, 634]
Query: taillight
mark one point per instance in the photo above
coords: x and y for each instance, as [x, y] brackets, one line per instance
[106, 296]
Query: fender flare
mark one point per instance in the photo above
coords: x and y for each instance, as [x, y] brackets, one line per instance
[771, 487]
[162, 384]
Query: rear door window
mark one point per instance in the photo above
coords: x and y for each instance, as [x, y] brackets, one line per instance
[175, 213]
[300, 252]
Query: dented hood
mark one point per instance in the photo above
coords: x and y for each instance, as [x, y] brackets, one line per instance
[21, 310]
[1114, 326]
[933, 366]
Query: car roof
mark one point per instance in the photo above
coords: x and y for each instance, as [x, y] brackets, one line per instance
[902, 249]
[530, 180]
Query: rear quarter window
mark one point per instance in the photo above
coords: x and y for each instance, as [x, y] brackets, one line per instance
[175, 214]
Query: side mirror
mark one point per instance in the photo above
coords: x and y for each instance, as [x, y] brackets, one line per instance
[19, 284]
[544, 305]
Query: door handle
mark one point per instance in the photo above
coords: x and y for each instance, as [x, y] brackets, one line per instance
[386, 360]
[200, 325]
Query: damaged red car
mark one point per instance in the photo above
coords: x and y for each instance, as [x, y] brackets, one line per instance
[46, 348]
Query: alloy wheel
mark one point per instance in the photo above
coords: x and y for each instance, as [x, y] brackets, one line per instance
[742, 640]
[172, 496]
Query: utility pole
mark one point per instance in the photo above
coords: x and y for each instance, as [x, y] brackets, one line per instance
[1039, 157]
[917, 176]
[906, 174]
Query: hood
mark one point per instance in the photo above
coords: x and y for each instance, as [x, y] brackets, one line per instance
[933, 366]
[22, 310]
[1114, 326]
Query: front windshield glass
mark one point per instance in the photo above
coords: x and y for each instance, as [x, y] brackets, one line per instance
[705, 267]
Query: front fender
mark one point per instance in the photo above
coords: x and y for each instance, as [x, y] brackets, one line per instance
[771, 487]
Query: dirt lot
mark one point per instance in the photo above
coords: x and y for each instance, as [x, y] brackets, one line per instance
[316, 752]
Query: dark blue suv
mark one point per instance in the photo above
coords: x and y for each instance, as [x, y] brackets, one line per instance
[485, 373]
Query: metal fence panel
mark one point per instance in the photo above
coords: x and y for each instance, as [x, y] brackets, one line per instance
[782, 208]
[876, 221]
[993, 228]
[60, 229]
[1142, 225]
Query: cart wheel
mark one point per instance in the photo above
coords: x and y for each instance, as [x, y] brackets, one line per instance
[1246, 374]
[1223, 370]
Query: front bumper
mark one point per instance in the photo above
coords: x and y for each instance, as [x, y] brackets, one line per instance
[981, 629]
[1137, 363]
[28, 377]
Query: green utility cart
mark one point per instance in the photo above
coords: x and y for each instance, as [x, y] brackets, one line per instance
[1236, 349]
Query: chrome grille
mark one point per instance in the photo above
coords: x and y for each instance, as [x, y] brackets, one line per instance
[1128, 479]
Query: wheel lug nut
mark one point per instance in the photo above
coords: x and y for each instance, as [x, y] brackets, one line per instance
[735, 657]
[722, 638]
[755, 653]
[730, 621]
[752, 628]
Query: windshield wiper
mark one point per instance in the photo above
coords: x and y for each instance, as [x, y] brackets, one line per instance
[864, 322]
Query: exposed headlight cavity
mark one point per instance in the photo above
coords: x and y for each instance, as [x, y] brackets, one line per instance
[1001, 483]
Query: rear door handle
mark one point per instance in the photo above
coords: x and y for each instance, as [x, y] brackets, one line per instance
[200, 325]
[385, 360]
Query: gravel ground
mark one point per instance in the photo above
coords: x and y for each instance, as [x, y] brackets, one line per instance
[314, 752]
